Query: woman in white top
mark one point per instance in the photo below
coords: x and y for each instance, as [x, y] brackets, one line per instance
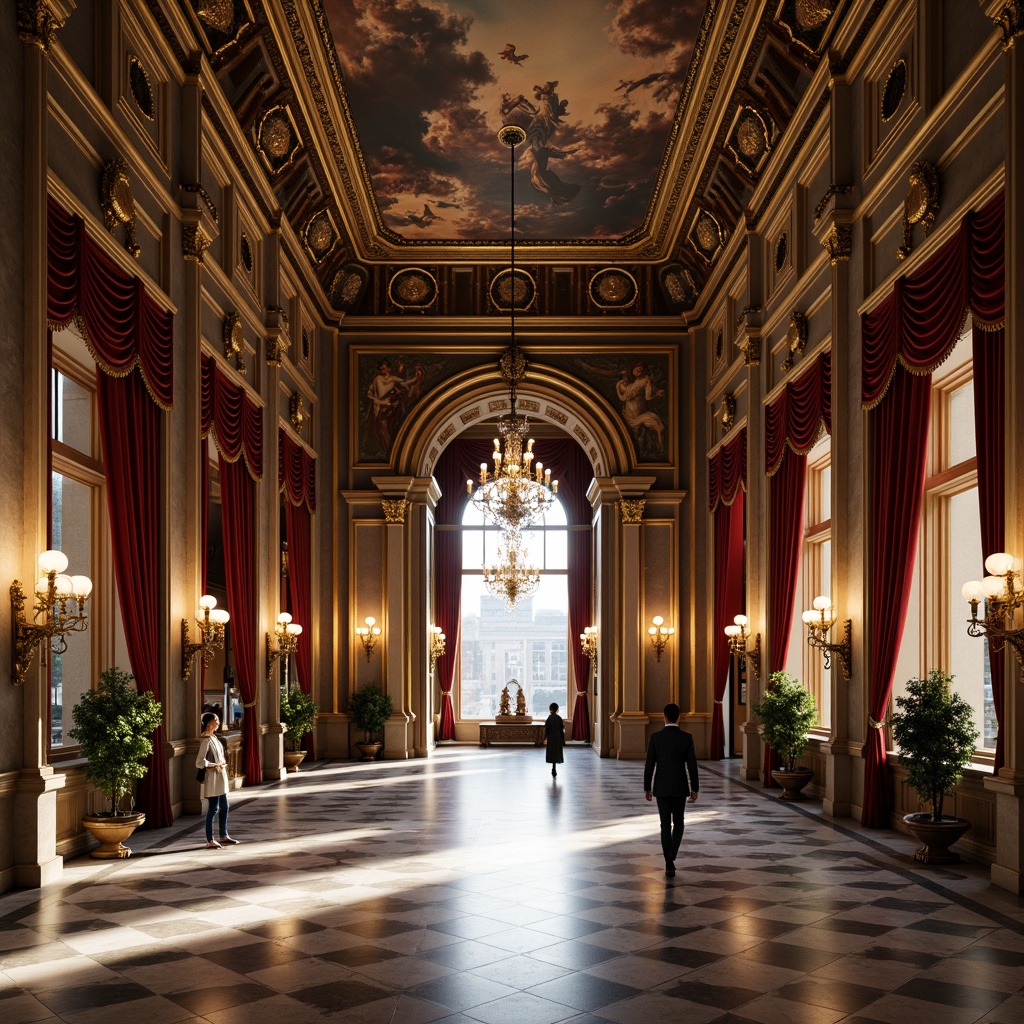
[215, 784]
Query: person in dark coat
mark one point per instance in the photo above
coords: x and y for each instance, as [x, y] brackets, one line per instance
[672, 765]
[554, 733]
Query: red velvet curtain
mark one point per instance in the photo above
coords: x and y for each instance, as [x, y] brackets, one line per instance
[296, 478]
[124, 329]
[915, 327]
[990, 402]
[237, 423]
[727, 473]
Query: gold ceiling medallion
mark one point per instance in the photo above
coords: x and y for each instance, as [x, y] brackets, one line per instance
[894, 90]
[838, 243]
[276, 138]
[501, 290]
[920, 204]
[706, 236]
[218, 14]
[222, 22]
[319, 236]
[37, 24]
[727, 412]
[234, 344]
[117, 203]
[413, 288]
[1011, 22]
[613, 288]
[141, 90]
[796, 338]
[296, 413]
[750, 140]
[678, 287]
[807, 22]
[347, 287]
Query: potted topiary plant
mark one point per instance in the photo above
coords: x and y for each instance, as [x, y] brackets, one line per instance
[370, 708]
[787, 711]
[298, 712]
[113, 725]
[934, 730]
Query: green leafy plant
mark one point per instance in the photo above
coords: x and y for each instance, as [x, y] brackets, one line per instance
[298, 712]
[934, 730]
[113, 725]
[370, 708]
[787, 711]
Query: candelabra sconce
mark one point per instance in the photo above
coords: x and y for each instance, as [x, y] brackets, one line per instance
[287, 633]
[1003, 593]
[588, 644]
[211, 621]
[738, 633]
[819, 621]
[368, 635]
[52, 618]
[659, 634]
[437, 646]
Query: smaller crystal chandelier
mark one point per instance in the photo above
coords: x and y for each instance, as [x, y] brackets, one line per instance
[517, 493]
[513, 577]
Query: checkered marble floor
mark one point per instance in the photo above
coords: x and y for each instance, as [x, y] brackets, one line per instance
[472, 888]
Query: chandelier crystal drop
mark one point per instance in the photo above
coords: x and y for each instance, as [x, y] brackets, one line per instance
[514, 576]
[515, 494]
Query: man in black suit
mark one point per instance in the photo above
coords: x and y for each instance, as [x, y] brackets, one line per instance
[670, 756]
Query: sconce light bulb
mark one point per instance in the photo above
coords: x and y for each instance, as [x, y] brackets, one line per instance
[999, 563]
[653, 630]
[65, 588]
[294, 629]
[82, 587]
[731, 631]
[42, 585]
[822, 603]
[207, 601]
[810, 617]
[370, 620]
[741, 620]
[993, 587]
[657, 620]
[284, 618]
[53, 561]
[973, 592]
[219, 617]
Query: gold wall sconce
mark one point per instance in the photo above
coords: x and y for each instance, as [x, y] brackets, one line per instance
[588, 644]
[738, 633]
[52, 618]
[819, 621]
[1003, 593]
[368, 635]
[437, 646]
[659, 634]
[211, 621]
[287, 633]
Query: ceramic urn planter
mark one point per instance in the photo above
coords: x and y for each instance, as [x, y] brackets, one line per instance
[293, 758]
[793, 782]
[111, 831]
[937, 836]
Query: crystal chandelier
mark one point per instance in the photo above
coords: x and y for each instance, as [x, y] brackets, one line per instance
[513, 577]
[516, 493]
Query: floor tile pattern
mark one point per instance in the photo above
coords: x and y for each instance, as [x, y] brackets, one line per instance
[472, 888]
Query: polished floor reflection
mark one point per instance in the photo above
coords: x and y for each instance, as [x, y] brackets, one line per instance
[473, 887]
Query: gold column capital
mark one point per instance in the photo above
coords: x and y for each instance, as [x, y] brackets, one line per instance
[394, 509]
[632, 511]
[1010, 21]
[838, 243]
[194, 243]
[37, 23]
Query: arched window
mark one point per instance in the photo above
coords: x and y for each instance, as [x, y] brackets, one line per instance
[528, 643]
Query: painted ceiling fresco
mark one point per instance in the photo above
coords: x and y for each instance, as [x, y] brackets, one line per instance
[595, 84]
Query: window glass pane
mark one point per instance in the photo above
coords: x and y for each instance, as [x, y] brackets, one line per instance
[71, 529]
[72, 414]
[556, 549]
[968, 656]
[825, 493]
[961, 425]
[472, 549]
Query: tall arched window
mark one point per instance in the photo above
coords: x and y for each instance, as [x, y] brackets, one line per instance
[530, 642]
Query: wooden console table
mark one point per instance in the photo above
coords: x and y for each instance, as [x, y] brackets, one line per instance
[494, 732]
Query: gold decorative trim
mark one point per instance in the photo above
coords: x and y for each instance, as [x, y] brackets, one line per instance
[277, 346]
[632, 511]
[890, 103]
[394, 509]
[830, 193]
[138, 82]
[320, 236]
[750, 346]
[727, 412]
[1011, 22]
[277, 139]
[234, 345]
[613, 288]
[194, 243]
[117, 202]
[37, 24]
[920, 205]
[505, 289]
[413, 288]
[838, 243]
[796, 338]
[195, 188]
[296, 412]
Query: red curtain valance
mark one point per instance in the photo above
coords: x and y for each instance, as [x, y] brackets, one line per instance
[296, 471]
[921, 320]
[796, 416]
[727, 470]
[236, 420]
[122, 325]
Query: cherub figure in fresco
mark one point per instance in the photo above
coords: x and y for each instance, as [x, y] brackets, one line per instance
[635, 390]
[388, 394]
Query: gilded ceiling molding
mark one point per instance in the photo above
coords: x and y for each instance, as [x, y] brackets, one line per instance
[632, 511]
[838, 243]
[920, 205]
[394, 509]
[194, 243]
[1011, 22]
[234, 348]
[37, 24]
[796, 338]
[117, 202]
